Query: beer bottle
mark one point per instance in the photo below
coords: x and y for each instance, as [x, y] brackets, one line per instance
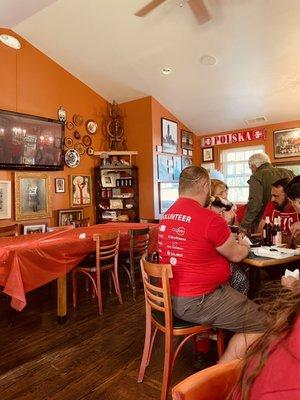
[277, 234]
[267, 233]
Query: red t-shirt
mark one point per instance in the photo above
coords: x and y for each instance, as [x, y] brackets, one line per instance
[187, 239]
[288, 217]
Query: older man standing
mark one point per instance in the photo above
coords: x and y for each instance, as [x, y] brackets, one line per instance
[199, 245]
[260, 184]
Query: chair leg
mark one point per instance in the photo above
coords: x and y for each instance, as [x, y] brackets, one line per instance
[74, 287]
[132, 280]
[167, 366]
[146, 351]
[114, 274]
[99, 292]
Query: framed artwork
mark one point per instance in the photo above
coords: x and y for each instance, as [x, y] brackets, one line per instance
[176, 167]
[60, 185]
[186, 140]
[295, 167]
[169, 136]
[34, 228]
[115, 204]
[5, 199]
[164, 165]
[32, 195]
[207, 154]
[81, 192]
[67, 216]
[168, 193]
[190, 153]
[286, 143]
[185, 152]
[186, 161]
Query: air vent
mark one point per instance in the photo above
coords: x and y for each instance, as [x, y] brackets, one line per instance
[256, 120]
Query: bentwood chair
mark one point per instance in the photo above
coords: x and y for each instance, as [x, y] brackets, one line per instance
[9, 230]
[107, 249]
[159, 315]
[214, 383]
[81, 222]
[138, 247]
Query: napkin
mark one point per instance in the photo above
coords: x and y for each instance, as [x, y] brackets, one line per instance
[82, 236]
[295, 273]
[246, 239]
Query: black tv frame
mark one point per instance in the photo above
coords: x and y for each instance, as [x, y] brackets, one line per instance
[26, 167]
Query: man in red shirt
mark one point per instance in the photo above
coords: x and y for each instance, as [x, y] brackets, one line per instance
[199, 245]
[280, 206]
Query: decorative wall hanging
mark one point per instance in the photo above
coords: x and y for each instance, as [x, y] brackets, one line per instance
[80, 148]
[90, 151]
[114, 128]
[164, 166]
[227, 138]
[67, 216]
[61, 113]
[186, 161]
[60, 185]
[5, 199]
[287, 143]
[168, 193]
[34, 228]
[72, 158]
[169, 136]
[77, 135]
[80, 190]
[208, 154]
[77, 119]
[69, 125]
[176, 167]
[91, 126]
[86, 140]
[186, 140]
[32, 195]
[68, 142]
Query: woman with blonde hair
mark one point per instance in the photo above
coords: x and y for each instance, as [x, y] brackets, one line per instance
[219, 192]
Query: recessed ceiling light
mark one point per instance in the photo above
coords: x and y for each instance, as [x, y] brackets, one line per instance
[10, 41]
[208, 60]
[166, 71]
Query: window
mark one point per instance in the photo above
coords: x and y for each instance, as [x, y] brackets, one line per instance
[237, 172]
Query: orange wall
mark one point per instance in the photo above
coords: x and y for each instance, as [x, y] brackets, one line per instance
[32, 83]
[268, 143]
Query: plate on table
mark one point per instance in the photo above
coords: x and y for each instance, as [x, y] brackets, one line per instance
[72, 158]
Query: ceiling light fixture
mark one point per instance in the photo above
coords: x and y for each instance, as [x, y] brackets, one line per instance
[208, 60]
[10, 41]
[166, 71]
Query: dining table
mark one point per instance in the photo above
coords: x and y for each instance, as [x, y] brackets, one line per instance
[30, 261]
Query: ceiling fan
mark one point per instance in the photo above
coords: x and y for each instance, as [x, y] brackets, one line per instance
[198, 7]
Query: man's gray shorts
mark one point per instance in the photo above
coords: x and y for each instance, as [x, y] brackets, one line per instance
[225, 308]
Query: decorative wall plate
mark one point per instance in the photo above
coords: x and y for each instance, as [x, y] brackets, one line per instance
[72, 158]
[80, 148]
[68, 142]
[90, 151]
[86, 140]
[77, 135]
[77, 119]
[91, 126]
[69, 125]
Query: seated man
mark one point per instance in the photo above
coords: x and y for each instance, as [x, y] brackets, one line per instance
[199, 245]
[280, 206]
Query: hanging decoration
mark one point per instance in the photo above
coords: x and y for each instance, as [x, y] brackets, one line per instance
[235, 137]
[114, 128]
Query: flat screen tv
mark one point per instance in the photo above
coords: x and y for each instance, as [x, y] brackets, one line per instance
[30, 142]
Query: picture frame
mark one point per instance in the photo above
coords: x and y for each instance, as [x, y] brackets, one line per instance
[186, 140]
[164, 168]
[177, 167]
[109, 179]
[286, 143]
[115, 204]
[68, 215]
[207, 154]
[60, 185]
[169, 136]
[34, 228]
[32, 195]
[80, 190]
[5, 199]
[186, 161]
[168, 193]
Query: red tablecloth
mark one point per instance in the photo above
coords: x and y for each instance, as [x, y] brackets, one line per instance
[30, 261]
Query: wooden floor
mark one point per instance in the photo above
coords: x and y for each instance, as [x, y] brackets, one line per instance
[89, 357]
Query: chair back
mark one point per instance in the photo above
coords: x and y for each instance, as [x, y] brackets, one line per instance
[81, 222]
[157, 290]
[139, 243]
[214, 383]
[149, 221]
[59, 228]
[10, 230]
[107, 247]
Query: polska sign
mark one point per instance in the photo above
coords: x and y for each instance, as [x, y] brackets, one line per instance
[228, 138]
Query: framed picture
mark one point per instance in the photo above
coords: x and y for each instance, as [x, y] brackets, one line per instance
[60, 185]
[186, 161]
[185, 152]
[67, 216]
[163, 165]
[208, 154]
[287, 143]
[169, 136]
[295, 166]
[81, 192]
[176, 167]
[32, 195]
[190, 153]
[186, 140]
[109, 178]
[34, 228]
[115, 204]
[5, 199]
[168, 193]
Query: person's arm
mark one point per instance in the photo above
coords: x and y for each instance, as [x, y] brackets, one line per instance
[234, 251]
[295, 231]
[254, 204]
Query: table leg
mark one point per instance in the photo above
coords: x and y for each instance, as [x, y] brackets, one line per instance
[62, 299]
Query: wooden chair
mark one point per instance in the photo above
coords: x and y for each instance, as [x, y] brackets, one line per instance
[214, 383]
[81, 222]
[107, 248]
[159, 314]
[138, 247]
[60, 228]
[9, 230]
[149, 221]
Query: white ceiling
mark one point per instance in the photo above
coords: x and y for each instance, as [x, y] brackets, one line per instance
[120, 55]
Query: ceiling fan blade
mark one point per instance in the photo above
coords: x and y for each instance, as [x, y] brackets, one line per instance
[200, 11]
[149, 7]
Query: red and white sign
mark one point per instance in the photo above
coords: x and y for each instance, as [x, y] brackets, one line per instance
[228, 138]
